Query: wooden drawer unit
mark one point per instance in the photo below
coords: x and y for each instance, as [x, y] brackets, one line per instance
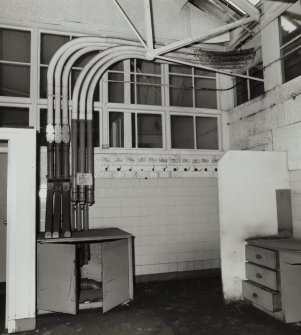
[262, 296]
[261, 256]
[273, 272]
[263, 276]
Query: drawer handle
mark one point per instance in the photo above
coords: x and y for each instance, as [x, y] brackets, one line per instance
[258, 275]
[255, 295]
[258, 256]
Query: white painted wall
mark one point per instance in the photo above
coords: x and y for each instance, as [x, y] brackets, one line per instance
[21, 228]
[247, 181]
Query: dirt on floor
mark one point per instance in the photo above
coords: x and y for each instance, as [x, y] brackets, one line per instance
[184, 307]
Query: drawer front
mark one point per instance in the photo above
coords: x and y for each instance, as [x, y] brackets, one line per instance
[263, 276]
[261, 256]
[261, 296]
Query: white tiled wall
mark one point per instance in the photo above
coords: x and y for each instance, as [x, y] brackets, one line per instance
[175, 221]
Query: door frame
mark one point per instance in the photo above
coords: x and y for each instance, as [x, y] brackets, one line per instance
[21, 229]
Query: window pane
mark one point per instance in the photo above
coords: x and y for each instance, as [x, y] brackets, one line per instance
[43, 82]
[95, 129]
[116, 87]
[14, 80]
[292, 62]
[14, 117]
[50, 44]
[15, 45]
[290, 23]
[180, 69]
[205, 73]
[148, 95]
[143, 66]
[149, 131]
[116, 126]
[206, 133]
[182, 133]
[181, 91]
[204, 98]
[133, 117]
[241, 91]
[256, 87]
[117, 66]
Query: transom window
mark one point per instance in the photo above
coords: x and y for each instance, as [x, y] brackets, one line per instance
[192, 87]
[14, 63]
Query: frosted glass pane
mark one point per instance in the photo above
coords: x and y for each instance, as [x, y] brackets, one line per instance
[205, 98]
[50, 44]
[181, 91]
[14, 80]
[182, 134]
[14, 117]
[149, 131]
[14, 45]
[116, 126]
[206, 133]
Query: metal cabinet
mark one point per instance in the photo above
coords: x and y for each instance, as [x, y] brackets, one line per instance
[273, 272]
[57, 270]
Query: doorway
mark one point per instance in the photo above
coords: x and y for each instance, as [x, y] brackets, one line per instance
[3, 229]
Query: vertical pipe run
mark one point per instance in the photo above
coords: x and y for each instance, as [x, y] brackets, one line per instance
[82, 157]
[90, 162]
[78, 217]
[74, 135]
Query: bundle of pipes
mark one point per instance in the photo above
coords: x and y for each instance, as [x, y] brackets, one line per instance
[81, 180]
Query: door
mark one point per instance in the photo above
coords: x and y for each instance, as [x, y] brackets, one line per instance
[3, 210]
[57, 284]
[115, 273]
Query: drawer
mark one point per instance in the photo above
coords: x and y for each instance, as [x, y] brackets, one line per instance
[261, 256]
[259, 295]
[263, 276]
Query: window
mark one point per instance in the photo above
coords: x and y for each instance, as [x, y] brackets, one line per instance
[14, 117]
[145, 82]
[290, 41]
[148, 130]
[50, 43]
[247, 89]
[191, 87]
[116, 129]
[116, 83]
[194, 132]
[14, 63]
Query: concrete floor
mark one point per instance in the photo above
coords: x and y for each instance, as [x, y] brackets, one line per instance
[169, 308]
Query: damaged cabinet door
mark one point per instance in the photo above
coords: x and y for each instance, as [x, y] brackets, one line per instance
[116, 273]
[57, 284]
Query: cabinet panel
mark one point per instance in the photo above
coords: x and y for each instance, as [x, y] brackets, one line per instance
[263, 276]
[261, 296]
[261, 256]
[57, 289]
[115, 271]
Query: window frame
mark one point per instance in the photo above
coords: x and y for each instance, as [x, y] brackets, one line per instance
[195, 114]
[21, 100]
[193, 77]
